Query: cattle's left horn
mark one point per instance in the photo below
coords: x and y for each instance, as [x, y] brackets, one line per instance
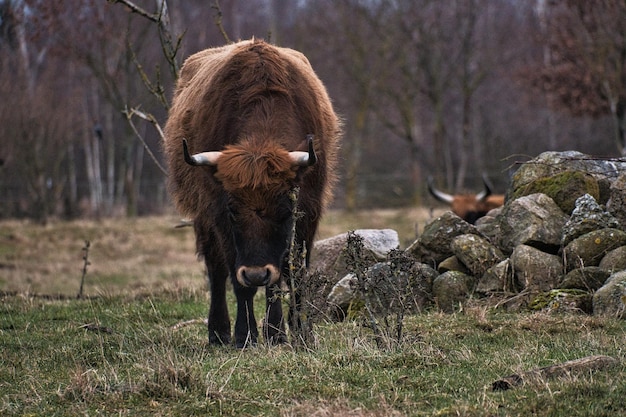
[198, 159]
[439, 195]
[304, 159]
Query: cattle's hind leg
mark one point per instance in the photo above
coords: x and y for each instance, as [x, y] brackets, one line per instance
[273, 325]
[246, 332]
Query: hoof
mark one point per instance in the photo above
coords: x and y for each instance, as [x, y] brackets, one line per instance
[277, 339]
[245, 342]
[219, 339]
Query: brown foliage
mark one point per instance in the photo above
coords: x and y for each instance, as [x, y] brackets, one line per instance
[584, 67]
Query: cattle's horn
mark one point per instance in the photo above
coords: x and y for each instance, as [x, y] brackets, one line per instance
[439, 195]
[304, 159]
[198, 159]
[486, 192]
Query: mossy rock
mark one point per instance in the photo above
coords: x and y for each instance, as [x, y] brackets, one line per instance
[563, 301]
[564, 188]
[590, 248]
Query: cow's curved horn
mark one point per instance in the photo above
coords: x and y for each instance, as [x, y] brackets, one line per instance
[487, 190]
[439, 195]
[198, 159]
[304, 159]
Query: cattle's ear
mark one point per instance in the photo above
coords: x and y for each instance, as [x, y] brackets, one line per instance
[199, 159]
[304, 159]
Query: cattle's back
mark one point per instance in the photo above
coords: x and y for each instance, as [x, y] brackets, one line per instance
[198, 114]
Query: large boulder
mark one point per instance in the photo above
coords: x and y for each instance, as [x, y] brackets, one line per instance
[452, 264]
[614, 260]
[535, 270]
[533, 220]
[590, 248]
[551, 163]
[498, 279]
[610, 299]
[343, 292]
[329, 258]
[586, 217]
[451, 289]
[564, 188]
[562, 301]
[434, 243]
[488, 225]
[386, 288]
[617, 201]
[476, 253]
[589, 278]
[389, 290]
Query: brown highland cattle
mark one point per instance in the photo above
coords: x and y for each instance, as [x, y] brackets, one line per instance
[249, 123]
[469, 207]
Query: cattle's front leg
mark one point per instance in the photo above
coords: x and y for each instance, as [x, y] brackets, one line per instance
[273, 325]
[246, 332]
[219, 322]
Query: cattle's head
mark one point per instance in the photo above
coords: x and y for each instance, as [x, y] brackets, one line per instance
[469, 207]
[259, 180]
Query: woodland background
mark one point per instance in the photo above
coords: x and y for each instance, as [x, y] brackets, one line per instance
[449, 88]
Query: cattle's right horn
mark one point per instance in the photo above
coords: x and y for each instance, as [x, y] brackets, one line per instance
[439, 195]
[487, 190]
[304, 159]
[199, 159]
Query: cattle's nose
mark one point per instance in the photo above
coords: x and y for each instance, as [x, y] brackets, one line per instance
[254, 276]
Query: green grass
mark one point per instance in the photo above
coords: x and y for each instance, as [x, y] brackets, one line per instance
[144, 279]
[136, 363]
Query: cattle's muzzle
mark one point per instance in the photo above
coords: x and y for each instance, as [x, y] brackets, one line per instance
[257, 276]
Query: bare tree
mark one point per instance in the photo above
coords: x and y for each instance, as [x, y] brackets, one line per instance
[584, 71]
[33, 126]
[101, 54]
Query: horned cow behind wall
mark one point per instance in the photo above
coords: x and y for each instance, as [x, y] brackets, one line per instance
[469, 207]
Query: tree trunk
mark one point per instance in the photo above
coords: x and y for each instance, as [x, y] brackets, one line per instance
[354, 156]
[617, 114]
[92, 165]
[71, 197]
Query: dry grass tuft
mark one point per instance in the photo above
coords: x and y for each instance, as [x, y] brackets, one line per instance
[135, 255]
[338, 409]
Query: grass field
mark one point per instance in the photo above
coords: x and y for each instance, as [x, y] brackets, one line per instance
[143, 254]
[137, 345]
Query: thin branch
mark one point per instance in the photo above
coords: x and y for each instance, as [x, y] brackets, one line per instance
[170, 50]
[150, 118]
[138, 10]
[86, 263]
[165, 37]
[565, 369]
[157, 89]
[218, 20]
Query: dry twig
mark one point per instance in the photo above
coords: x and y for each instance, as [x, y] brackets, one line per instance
[86, 263]
[586, 364]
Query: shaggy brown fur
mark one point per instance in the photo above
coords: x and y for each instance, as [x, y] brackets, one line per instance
[248, 92]
[254, 166]
[255, 103]
[470, 209]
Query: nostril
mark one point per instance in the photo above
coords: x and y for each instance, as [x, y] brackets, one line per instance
[244, 276]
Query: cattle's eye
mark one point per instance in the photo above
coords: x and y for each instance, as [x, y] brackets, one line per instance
[283, 215]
